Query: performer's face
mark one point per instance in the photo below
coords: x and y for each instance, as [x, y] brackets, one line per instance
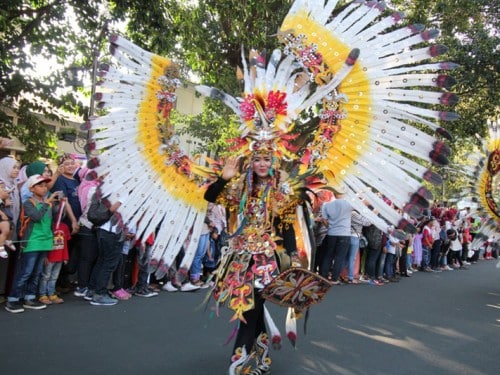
[262, 164]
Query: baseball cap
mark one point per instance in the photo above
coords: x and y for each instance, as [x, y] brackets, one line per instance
[36, 179]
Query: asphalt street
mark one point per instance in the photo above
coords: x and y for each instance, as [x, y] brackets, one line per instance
[439, 323]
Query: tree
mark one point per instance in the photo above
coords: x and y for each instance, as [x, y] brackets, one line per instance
[207, 36]
[60, 31]
[470, 29]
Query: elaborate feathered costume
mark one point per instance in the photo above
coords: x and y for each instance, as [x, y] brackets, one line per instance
[371, 86]
[483, 185]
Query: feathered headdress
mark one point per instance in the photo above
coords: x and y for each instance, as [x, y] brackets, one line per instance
[482, 184]
[371, 86]
[140, 156]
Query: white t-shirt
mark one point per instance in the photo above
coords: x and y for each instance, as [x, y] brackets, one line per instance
[455, 245]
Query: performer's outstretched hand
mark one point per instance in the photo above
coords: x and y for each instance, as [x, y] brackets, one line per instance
[230, 168]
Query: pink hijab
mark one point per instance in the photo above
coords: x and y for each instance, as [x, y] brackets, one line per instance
[88, 180]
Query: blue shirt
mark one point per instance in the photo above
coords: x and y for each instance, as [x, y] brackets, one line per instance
[69, 187]
[338, 213]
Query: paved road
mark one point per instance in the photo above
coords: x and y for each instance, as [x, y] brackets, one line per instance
[443, 323]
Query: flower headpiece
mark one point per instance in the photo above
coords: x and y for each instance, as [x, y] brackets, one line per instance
[273, 96]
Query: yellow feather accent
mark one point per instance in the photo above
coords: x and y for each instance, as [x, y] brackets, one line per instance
[149, 140]
[351, 141]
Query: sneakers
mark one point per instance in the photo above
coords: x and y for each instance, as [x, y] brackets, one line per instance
[80, 292]
[200, 283]
[169, 287]
[55, 299]
[121, 294]
[33, 304]
[14, 307]
[376, 282]
[103, 300]
[89, 294]
[45, 300]
[188, 287]
[146, 292]
[364, 280]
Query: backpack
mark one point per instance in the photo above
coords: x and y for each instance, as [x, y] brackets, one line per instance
[374, 236]
[24, 220]
[98, 212]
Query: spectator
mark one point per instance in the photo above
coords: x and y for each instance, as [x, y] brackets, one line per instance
[67, 182]
[6, 225]
[37, 241]
[9, 171]
[55, 259]
[358, 221]
[87, 242]
[201, 250]
[390, 249]
[142, 288]
[427, 241]
[110, 237]
[37, 167]
[376, 240]
[455, 246]
[337, 215]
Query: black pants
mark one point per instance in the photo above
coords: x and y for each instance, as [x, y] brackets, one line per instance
[336, 249]
[402, 261]
[435, 252]
[255, 325]
[87, 249]
[109, 256]
[371, 262]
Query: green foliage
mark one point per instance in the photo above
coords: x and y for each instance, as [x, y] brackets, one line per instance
[31, 30]
[208, 127]
[206, 38]
[470, 30]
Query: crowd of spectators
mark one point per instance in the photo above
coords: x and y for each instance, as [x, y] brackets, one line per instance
[49, 246]
[62, 251]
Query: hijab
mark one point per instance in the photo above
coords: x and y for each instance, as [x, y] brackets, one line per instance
[88, 180]
[6, 166]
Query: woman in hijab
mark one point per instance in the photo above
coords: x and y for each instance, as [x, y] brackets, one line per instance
[9, 171]
[87, 245]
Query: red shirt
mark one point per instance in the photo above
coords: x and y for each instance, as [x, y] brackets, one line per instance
[427, 239]
[60, 251]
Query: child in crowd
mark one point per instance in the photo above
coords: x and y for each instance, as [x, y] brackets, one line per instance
[37, 241]
[390, 250]
[54, 261]
[118, 277]
[142, 287]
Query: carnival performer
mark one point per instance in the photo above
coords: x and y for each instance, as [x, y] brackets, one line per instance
[261, 216]
[334, 107]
